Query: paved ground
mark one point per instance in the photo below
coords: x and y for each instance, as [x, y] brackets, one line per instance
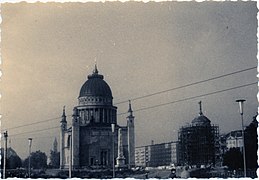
[154, 173]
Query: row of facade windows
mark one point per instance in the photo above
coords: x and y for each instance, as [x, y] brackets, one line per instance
[98, 115]
[235, 143]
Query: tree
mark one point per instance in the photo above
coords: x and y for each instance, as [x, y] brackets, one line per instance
[54, 159]
[38, 160]
[13, 161]
[233, 159]
[251, 144]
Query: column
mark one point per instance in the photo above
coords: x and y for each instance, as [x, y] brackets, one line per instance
[98, 115]
[120, 159]
[111, 115]
[103, 115]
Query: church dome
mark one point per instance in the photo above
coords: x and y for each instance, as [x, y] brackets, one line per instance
[201, 120]
[95, 86]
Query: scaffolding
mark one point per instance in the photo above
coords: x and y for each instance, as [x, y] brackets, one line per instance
[199, 145]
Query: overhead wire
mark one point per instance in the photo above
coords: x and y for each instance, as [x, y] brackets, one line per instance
[159, 105]
[29, 124]
[144, 96]
[187, 85]
[39, 130]
[38, 122]
[192, 97]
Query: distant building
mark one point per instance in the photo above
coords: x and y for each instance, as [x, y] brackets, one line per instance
[234, 139]
[91, 133]
[223, 147]
[155, 155]
[142, 156]
[199, 142]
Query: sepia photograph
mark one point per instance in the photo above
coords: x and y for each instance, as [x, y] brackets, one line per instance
[129, 89]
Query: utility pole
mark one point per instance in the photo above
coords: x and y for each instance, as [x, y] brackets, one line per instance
[5, 154]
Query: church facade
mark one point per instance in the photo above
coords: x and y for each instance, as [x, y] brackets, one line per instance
[91, 140]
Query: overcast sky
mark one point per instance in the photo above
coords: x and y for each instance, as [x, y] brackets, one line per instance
[141, 48]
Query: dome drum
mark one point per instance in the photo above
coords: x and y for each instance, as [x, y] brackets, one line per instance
[97, 115]
[94, 100]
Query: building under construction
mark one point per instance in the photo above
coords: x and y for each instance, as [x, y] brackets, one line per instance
[199, 142]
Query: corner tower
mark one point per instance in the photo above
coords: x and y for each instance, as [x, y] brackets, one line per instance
[131, 137]
[63, 129]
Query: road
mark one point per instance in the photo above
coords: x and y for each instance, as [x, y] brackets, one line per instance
[154, 173]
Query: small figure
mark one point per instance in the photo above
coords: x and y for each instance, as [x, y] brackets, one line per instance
[173, 173]
[146, 175]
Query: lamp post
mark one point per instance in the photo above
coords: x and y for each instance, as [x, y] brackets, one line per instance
[241, 108]
[29, 166]
[70, 154]
[113, 149]
[5, 154]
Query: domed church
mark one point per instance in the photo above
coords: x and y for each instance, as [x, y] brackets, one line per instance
[95, 134]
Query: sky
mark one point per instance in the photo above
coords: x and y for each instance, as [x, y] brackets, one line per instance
[48, 49]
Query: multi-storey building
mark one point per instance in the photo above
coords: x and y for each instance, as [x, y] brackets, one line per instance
[234, 139]
[155, 155]
[142, 156]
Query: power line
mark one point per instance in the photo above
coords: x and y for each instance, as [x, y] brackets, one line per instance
[27, 132]
[29, 124]
[38, 122]
[158, 105]
[192, 97]
[34, 137]
[145, 96]
[187, 85]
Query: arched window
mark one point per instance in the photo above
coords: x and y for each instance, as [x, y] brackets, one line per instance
[68, 141]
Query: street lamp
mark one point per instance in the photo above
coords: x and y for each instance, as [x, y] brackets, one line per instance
[113, 149]
[5, 154]
[29, 168]
[241, 108]
[70, 154]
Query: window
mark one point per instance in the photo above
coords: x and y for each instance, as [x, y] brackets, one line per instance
[92, 161]
[68, 140]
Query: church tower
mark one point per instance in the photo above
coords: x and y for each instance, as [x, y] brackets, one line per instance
[55, 146]
[75, 138]
[63, 129]
[131, 137]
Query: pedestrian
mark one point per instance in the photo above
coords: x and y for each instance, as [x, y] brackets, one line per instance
[185, 173]
[146, 175]
[173, 173]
